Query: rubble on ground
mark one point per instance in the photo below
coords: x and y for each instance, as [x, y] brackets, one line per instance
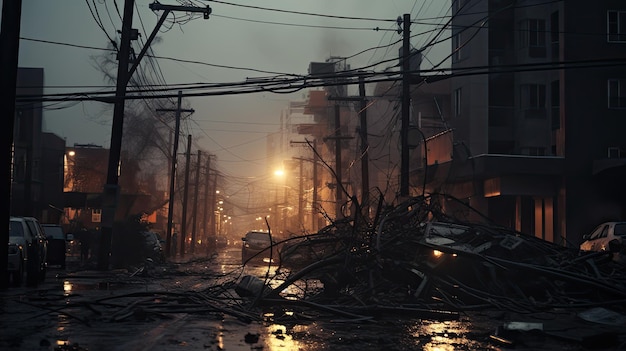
[434, 256]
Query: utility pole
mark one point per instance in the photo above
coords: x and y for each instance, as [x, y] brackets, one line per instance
[9, 52]
[170, 209]
[300, 190]
[365, 181]
[338, 171]
[183, 222]
[206, 205]
[314, 197]
[338, 168]
[364, 143]
[212, 199]
[314, 202]
[195, 204]
[406, 104]
[111, 188]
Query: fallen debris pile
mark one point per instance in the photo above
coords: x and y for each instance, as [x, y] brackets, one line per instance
[434, 256]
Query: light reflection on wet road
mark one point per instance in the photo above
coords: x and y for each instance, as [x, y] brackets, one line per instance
[23, 327]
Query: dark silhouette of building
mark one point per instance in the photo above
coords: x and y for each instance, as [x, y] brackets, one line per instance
[537, 133]
[37, 169]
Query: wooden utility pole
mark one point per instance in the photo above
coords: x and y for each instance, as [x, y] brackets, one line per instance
[365, 177]
[338, 166]
[314, 202]
[183, 221]
[172, 177]
[206, 204]
[195, 204]
[212, 200]
[111, 188]
[314, 197]
[300, 191]
[406, 105]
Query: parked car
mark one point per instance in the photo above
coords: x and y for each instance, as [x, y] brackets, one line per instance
[608, 236]
[16, 262]
[222, 241]
[256, 246]
[28, 250]
[57, 244]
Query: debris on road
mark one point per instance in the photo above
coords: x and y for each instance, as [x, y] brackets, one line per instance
[421, 256]
[429, 259]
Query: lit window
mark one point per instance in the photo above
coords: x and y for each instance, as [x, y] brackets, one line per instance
[616, 26]
[96, 215]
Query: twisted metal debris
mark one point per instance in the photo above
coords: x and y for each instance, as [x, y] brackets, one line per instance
[433, 256]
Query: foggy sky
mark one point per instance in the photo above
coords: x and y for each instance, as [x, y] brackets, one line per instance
[232, 127]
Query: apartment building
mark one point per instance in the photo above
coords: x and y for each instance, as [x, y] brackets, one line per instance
[538, 114]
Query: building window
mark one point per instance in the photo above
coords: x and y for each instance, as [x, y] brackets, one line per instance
[533, 37]
[457, 102]
[533, 100]
[555, 102]
[554, 35]
[617, 93]
[616, 26]
[96, 215]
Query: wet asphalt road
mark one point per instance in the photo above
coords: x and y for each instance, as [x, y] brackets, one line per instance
[80, 309]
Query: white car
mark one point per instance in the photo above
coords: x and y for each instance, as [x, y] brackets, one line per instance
[600, 238]
[27, 250]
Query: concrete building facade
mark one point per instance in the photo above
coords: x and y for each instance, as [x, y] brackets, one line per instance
[538, 117]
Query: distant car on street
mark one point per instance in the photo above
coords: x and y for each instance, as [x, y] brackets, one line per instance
[608, 236]
[256, 246]
[57, 244]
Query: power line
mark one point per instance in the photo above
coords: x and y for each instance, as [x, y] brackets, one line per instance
[303, 13]
[299, 83]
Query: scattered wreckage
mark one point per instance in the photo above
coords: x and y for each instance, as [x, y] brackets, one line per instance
[433, 257]
[428, 259]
